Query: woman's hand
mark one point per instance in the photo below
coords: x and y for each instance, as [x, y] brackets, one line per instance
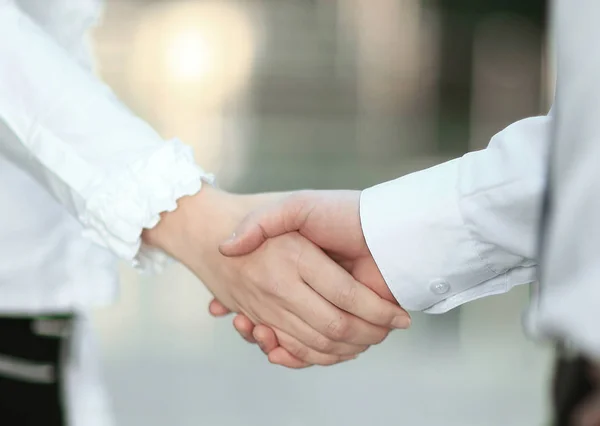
[280, 284]
[283, 350]
[331, 220]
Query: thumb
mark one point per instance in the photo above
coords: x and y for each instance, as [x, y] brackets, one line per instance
[280, 218]
[248, 236]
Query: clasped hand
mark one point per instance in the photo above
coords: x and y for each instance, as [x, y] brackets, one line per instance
[298, 271]
[331, 220]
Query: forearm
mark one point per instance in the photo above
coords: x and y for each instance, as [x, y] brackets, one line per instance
[64, 128]
[464, 229]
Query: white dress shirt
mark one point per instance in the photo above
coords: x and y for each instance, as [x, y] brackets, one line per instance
[470, 228]
[568, 306]
[464, 229]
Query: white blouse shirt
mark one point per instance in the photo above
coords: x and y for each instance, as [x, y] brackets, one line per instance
[80, 175]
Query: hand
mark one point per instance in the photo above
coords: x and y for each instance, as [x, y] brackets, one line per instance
[588, 412]
[330, 219]
[281, 284]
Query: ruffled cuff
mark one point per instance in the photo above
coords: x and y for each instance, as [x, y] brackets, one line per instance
[131, 201]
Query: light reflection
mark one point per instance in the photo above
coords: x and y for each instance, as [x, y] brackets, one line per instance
[189, 61]
[190, 56]
[200, 53]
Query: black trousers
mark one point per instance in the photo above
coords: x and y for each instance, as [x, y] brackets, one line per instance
[31, 351]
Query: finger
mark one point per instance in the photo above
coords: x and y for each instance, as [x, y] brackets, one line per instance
[336, 285]
[217, 309]
[312, 338]
[268, 341]
[282, 357]
[280, 218]
[244, 327]
[315, 321]
[327, 323]
[266, 338]
[292, 350]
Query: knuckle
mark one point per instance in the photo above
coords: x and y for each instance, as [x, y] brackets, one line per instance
[249, 272]
[339, 329]
[256, 277]
[299, 351]
[323, 344]
[275, 287]
[297, 202]
[346, 296]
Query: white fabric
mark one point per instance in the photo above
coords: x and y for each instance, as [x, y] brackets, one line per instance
[80, 177]
[63, 133]
[568, 306]
[87, 401]
[471, 227]
[470, 223]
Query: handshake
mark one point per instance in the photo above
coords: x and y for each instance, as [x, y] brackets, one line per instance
[294, 267]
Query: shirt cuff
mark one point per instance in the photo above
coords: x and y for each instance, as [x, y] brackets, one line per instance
[415, 231]
[130, 201]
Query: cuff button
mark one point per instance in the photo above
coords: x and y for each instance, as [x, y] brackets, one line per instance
[439, 287]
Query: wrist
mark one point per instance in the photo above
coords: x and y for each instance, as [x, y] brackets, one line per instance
[201, 222]
[198, 214]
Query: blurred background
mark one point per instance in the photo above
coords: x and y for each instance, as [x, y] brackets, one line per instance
[285, 94]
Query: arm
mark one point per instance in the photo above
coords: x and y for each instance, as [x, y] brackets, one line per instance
[464, 229]
[114, 174]
[111, 170]
[440, 237]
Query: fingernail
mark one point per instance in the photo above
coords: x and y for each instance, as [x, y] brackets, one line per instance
[401, 321]
[231, 238]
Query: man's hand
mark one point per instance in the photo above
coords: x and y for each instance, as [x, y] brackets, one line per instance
[282, 284]
[331, 220]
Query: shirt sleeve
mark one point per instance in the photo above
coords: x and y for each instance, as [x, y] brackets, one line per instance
[62, 126]
[67, 22]
[464, 229]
